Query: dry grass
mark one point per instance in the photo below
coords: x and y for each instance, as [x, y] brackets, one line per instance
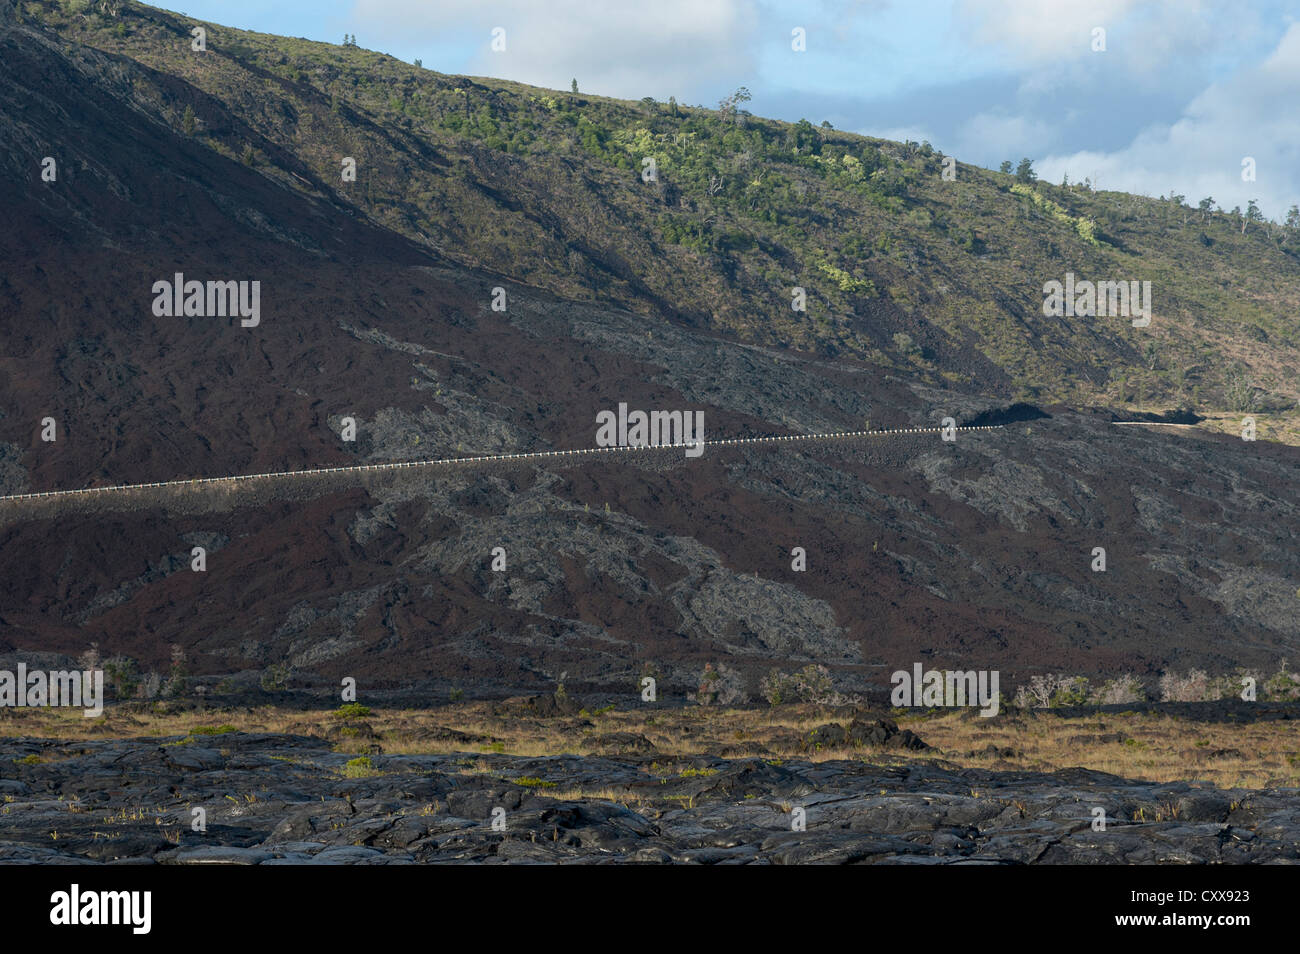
[1152, 747]
[1144, 746]
[1281, 427]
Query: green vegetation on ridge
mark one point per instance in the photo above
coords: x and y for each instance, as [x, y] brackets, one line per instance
[902, 269]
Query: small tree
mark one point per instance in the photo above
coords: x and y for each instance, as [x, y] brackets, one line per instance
[720, 685]
[1192, 687]
[177, 674]
[1025, 171]
[120, 672]
[1252, 215]
[813, 683]
[573, 87]
[1005, 168]
[188, 123]
[1073, 692]
[729, 106]
[810, 684]
[777, 688]
[1282, 686]
[1121, 690]
[1239, 391]
[1040, 691]
[707, 693]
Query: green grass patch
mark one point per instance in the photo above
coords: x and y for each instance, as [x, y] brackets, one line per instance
[360, 768]
[213, 729]
[351, 710]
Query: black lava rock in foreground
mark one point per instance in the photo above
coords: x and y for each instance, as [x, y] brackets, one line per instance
[289, 799]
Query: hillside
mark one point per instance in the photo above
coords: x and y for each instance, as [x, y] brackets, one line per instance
[376, 305]
[904, 271]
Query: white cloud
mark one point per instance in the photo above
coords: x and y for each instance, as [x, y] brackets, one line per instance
[671, 47]
[1037, 31]
[1052, 41]
[1251, 114]
[899, 133]
[1002, 134]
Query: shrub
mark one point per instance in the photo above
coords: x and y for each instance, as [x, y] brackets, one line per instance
[720, 685]
[810, 684]
[777, 688]
[150, 686]
[360, 768]
[707, 693]
[1119, 691]
[846, 282]
[1085, 228]
[1239, 392]
[1282, 686]
[121, 674]
[352, 710]
[177, 676]
[212, 729]
[904, 343]
[1192, 687]
[1072, 692]
[1039, 692]
[274, 677]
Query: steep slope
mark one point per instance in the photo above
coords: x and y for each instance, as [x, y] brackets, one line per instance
[912, 273]
[974, 553]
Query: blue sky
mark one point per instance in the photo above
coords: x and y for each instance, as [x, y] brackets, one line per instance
[1183, 92]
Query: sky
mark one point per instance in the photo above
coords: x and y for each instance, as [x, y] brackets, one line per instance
[1170, 95]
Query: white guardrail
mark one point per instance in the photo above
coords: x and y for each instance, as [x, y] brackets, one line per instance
[483, 458]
